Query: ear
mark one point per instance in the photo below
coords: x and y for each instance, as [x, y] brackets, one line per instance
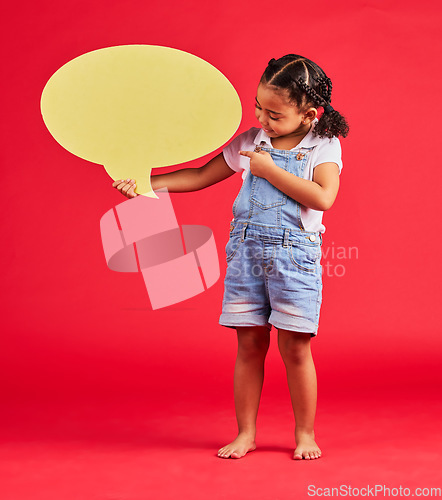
[309, 115]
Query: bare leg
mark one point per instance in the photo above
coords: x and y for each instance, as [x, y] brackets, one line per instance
[301, 377]
[253, 344]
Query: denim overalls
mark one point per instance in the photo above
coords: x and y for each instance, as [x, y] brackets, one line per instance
[274, 273]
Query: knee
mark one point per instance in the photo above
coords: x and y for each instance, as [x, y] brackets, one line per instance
[253, 344]
[294, 348]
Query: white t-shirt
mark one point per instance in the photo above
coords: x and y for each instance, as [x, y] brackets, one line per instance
[325, 150]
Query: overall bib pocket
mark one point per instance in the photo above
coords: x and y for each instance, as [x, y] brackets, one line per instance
[265, 195]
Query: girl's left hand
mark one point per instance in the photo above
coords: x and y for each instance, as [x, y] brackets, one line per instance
[260, 162]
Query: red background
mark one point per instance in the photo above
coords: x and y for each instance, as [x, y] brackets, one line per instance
[104, 398]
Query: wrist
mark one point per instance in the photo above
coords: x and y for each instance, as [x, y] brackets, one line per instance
[270, 171]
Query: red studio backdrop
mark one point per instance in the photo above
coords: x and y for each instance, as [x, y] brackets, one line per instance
[81, 344]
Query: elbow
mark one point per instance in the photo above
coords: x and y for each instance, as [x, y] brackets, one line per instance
[326, 199]
[325, 204]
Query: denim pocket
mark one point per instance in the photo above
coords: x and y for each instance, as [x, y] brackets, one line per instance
[232, 246]
[305, 257]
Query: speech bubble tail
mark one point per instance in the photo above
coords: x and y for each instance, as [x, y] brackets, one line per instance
[150, 194]
[144, 188]
[121, 171]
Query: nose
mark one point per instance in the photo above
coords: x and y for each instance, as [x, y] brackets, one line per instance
[263, 120]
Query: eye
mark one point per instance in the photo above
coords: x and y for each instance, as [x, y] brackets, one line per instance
[257, 106]
[274, 119]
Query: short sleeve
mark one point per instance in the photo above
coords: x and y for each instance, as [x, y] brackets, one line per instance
[329, 151]
[243, 142]
[230, 153]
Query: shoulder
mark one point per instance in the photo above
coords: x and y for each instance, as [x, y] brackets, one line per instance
[247, 137]
[244, 141]
[326, 144]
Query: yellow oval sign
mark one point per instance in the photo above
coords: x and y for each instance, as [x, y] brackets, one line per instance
[135, 107]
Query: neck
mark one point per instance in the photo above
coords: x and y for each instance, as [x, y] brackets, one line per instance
[290, 141]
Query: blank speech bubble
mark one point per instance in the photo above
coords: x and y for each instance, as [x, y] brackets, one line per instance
[131, 108]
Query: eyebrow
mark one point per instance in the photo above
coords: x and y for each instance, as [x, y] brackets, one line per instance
[269, 110]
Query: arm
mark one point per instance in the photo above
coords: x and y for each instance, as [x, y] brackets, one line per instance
[194, 179]
[183, 180]
[318, 194]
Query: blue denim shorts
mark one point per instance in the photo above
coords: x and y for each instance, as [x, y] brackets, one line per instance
[273, 277]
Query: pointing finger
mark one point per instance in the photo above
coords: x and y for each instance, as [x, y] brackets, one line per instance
[246, 153]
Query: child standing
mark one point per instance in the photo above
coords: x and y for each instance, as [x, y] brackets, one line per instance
[290, 169]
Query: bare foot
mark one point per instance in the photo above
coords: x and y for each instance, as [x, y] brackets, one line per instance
[306, 447]
[238, 448]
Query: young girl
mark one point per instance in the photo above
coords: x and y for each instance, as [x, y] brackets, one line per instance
[290, 168]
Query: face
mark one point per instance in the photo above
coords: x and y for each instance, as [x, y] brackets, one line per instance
[279, 117]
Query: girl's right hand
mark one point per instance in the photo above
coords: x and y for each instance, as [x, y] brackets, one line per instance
[126, 187]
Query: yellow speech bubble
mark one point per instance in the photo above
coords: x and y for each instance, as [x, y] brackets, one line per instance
[135, 107]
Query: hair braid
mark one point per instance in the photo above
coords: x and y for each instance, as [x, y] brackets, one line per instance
[307, 85]
[326, 87]
[311, 92]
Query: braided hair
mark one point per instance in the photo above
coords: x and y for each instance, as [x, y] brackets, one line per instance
[307, 85]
